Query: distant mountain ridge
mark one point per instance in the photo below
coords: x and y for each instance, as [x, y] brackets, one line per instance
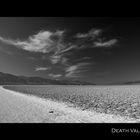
[9, 79]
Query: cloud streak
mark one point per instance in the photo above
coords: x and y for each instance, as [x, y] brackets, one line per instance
[109, 43]
[93, 33]
[55, 75]
[55, 59]
[42, 68]
[76, 70]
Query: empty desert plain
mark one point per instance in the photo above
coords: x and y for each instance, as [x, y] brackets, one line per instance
[20, 108]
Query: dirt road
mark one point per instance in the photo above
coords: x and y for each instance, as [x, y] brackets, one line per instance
[20, 108]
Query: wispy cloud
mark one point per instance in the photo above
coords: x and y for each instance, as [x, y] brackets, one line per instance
[60, 55]
[42, 68]
[67, 48]
[48, 43]
[43, 41]
[55, 75]
[93, 39]
[76, 70]
[55, 59]
[109, 43]
[92, 33]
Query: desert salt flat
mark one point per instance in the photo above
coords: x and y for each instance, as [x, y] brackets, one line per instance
[20, 108]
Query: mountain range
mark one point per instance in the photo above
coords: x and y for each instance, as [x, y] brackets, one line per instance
[9, 79]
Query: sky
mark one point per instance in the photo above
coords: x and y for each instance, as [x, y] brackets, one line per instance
[94, 49]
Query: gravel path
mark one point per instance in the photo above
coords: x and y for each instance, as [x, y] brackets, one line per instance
[19, 108]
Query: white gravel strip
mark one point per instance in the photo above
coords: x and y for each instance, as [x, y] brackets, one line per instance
[20, 108]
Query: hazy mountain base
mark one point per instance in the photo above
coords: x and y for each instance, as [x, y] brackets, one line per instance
[101, 102]
[9, 79]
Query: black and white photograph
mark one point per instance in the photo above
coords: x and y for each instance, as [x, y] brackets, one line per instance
[70, 70]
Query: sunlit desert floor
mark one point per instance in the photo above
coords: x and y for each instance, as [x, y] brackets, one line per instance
[20, 108]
